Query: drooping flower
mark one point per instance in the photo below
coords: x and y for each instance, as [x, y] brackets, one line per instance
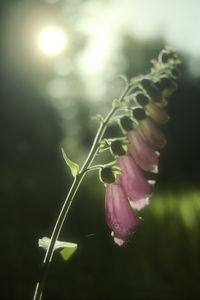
[137, 188]
[119, 214]
[145, 157]
[151, 134]
[157, 114]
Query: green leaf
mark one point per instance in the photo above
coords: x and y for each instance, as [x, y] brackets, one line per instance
[72, 165]
[68, 249]
[67, 252]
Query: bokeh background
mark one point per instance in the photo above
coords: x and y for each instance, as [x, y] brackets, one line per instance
[46, 101]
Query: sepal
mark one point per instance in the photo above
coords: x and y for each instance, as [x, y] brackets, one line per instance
[72, 165]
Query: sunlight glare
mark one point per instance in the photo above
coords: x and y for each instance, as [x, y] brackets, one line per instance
[52, 40]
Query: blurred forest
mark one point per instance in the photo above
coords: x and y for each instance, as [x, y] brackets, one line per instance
[162, 261]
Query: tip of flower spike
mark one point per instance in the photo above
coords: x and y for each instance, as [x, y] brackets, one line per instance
[163, 56]
[166, 55]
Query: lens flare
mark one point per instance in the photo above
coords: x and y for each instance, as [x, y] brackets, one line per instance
[52, 40]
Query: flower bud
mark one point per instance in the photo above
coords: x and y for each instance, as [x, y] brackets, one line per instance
[139, 114]
[164, 56]
[126, 123]
[142, 99]
[117, 149]
[152, 90]
[146, 83]
[172, 55]
[175, 73]
[166, 86]
[106, 175]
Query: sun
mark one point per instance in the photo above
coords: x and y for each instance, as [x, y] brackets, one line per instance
[52, 40]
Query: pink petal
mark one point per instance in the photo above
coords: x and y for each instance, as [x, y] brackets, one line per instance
[137, 188]
[145, 157]
[156, 113]
[151, 134]
[119, 214]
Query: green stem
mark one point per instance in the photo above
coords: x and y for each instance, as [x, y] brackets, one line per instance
[55, 235]
[92, 168]
[68, 201]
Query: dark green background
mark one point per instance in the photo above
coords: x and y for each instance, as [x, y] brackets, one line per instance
[163, 259]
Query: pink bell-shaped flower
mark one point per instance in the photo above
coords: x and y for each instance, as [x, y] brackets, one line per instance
[157, 114]
[137, 188]
[151, 134]
[119, 214]
[145, 157]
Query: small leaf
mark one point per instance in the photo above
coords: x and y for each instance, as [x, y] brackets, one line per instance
[103, 144]
[67, 251]
[72, 165]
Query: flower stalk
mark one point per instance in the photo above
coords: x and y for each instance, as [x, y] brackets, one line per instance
[68, 201]
[141, 155]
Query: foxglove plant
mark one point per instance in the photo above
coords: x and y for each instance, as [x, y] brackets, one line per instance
[140, 112]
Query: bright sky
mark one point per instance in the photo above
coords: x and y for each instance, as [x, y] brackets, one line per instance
[177, 21]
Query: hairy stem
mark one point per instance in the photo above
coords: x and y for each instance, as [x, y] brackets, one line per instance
[68, 201]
